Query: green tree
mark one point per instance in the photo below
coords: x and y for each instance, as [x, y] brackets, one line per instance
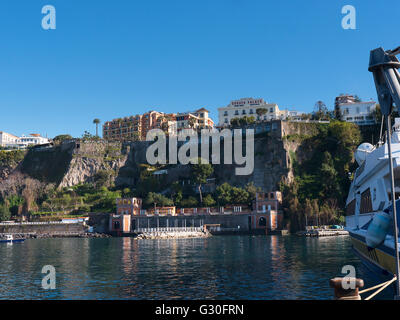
[201, 171]
[126, 192]
[321, 111]
[316, 211]
[328, 175]
[157, 199]
[239, 195]
[223, 193]
[5, 213]
[252, 190]
[97, 122]
[178, 198]
[62, 137]
[13, 203]
[261, 111]
[102, 178]
[208, 201]
[308, 211]
[189, 202]
[235, 122]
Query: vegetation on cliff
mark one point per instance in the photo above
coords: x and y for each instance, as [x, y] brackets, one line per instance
[321, 181]
[11, 158]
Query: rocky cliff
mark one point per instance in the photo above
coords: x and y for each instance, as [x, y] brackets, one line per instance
[75, 162]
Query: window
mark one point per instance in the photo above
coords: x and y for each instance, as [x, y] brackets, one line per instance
[243, 111]
[271, 109]
[225, 113]
[236, 112]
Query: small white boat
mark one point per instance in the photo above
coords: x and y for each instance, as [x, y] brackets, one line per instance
[9, 238]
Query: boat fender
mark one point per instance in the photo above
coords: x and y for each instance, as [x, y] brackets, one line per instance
[378, 229]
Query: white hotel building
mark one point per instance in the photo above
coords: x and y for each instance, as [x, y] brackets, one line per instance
[358, 112]
[247, 107]
[8, 140]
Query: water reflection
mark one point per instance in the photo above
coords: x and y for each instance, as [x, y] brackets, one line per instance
[229, 267]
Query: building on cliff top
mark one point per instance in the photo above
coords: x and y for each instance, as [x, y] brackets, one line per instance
[248, 107]
[136, 127]
[8, 140]
[353, 110]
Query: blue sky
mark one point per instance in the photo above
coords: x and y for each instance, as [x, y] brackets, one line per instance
[109, 59]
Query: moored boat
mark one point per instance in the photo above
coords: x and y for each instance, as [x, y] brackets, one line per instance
[373, 202]
[10, 239]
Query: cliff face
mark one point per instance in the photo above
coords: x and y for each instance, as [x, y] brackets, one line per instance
[77, 162]
[65, 165]
[88, 159]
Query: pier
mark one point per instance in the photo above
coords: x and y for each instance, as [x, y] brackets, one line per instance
[323, 233]
[173, 232]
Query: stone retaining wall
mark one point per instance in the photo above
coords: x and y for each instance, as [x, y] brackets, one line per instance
[49, 228]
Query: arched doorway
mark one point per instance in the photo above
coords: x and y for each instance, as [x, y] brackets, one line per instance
[262, 222]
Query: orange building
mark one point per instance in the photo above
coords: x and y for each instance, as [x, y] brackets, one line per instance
[267, 212]
[136, 127]
[267, 201]
[120, 223]
[131, 206]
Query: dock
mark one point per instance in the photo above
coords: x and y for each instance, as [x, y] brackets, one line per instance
[323, 233]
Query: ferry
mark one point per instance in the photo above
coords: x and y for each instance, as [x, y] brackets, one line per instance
[10, 239]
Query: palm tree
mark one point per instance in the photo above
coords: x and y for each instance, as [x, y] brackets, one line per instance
[96, 122]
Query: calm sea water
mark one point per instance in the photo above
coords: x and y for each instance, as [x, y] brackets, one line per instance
[224, 267]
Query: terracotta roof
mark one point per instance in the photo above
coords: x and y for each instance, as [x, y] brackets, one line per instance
[202, 109]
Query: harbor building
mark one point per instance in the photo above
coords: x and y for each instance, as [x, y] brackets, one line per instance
[131, 206]
[264, 216]
[267, 210]
[120, 223]
[355, 111]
